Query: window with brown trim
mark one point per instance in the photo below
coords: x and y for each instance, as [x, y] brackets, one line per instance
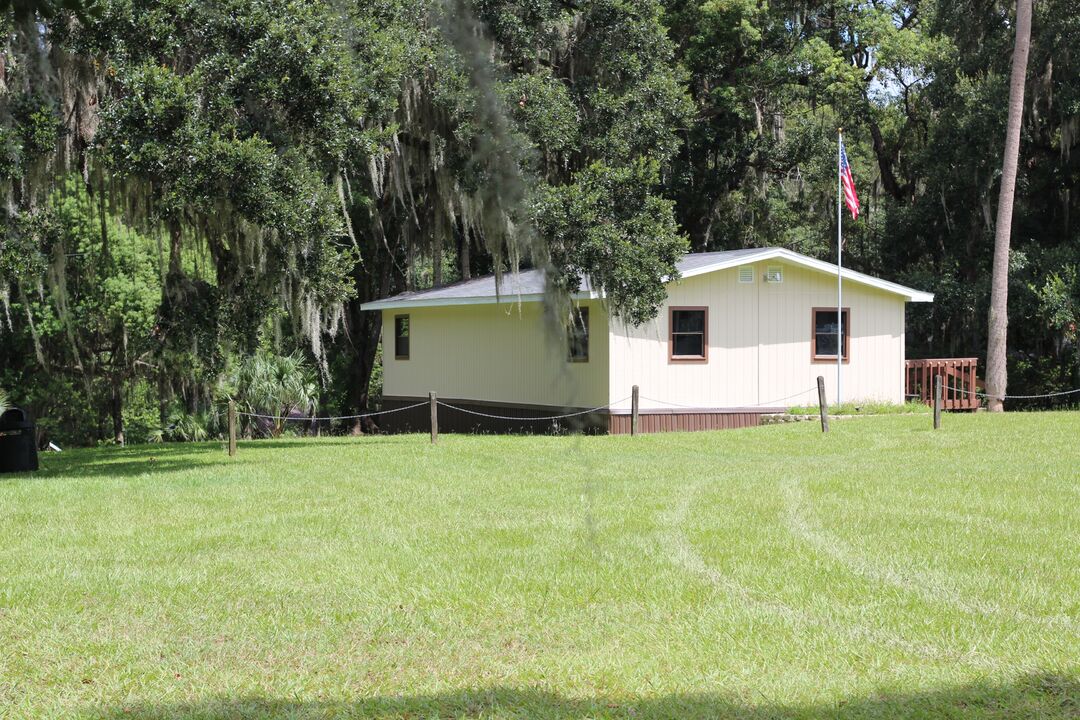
[824, 341]
[689, 334]
[401, 337]
[578, 335]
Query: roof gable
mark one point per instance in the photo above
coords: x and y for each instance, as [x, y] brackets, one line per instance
[708, 265]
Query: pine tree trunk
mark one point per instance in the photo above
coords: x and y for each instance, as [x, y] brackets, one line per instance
[996, 366]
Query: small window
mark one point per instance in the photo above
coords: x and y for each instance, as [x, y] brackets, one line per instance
[746, 274]
[689, 334]
[774, 274]
[578, 335]
[824, 342]
[401, 337]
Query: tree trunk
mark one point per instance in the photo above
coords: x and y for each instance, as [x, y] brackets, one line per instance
[378, 278]
[464, 258]
[366, 333]
[996, 361]
[116, 409]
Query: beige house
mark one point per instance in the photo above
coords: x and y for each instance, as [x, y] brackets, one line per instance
[742, 333]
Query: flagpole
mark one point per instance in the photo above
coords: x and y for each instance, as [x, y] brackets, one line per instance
[839, 259]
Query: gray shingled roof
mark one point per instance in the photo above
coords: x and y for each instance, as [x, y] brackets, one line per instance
[525, 282]
[693, 261]
[529, 284]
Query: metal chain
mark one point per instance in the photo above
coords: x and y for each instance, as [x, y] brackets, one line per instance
[336, 417]
[531, 419]
[1015, 397]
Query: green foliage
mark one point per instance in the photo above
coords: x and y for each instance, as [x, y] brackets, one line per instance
[260, 169]
[141, 414]
[28, 10]
[276, 386]
[34, 116]
[609, 226]
[188, 427]
[5, 401]
[1059, 301]
[234, 118]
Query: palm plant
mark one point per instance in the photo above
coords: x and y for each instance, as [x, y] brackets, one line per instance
[277, 386]
[5, 402]
[189, 427]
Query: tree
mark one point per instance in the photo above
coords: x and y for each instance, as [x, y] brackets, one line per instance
[511, 116]
[997, 343]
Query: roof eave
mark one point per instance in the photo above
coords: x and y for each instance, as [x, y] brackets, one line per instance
[509, 299]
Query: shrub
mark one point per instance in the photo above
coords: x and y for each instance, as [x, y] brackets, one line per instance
[274, 385]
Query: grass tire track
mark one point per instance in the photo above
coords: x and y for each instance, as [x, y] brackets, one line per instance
[929, 587]
[682, 553]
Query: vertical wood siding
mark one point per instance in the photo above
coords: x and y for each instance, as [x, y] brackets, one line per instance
[759, 338]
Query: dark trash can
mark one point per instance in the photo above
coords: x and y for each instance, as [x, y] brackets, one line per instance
[18, 442]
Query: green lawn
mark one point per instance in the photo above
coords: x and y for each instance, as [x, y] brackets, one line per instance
[882, 570]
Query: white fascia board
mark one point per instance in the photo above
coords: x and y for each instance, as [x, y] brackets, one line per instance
[481, 300]
[909, 294]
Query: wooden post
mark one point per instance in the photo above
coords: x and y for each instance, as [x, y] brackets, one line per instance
[232, 428]
[634, 411]
[823, 404]
[434, 417]
[937, 402]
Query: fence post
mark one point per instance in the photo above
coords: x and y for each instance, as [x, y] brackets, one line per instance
[434, 402]
[634, 411]
[232, 428]
[937, 402]
[823, 404]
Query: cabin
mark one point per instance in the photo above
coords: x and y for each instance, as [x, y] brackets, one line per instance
[742, 333]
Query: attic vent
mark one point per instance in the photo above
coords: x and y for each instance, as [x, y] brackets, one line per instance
[746, 274]
[774, 274]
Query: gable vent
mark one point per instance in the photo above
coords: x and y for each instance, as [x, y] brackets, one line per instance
[746, 274]
[774, 274]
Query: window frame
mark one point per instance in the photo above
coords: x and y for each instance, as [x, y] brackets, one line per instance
[408, 338]
[582, 313]
[672, 357]
[846, 319]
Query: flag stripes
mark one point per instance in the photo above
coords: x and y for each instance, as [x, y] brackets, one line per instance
[851, 198]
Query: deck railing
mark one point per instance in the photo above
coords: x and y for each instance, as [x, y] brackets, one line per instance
[959, 382]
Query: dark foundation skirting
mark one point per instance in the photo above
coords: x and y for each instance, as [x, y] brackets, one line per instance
[688, 420]
[514, 419]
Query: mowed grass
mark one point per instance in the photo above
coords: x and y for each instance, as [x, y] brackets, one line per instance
[883, 570]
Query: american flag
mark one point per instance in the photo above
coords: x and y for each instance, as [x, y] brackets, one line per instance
[850, 197]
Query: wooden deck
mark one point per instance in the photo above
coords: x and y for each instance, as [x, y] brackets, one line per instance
[959, 382]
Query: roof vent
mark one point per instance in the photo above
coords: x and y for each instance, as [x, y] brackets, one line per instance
[746, 274]
[774, 274]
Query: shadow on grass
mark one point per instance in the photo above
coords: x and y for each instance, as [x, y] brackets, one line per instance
[1033, 696]
[357, 441]
[135, 460]
[126, 461]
